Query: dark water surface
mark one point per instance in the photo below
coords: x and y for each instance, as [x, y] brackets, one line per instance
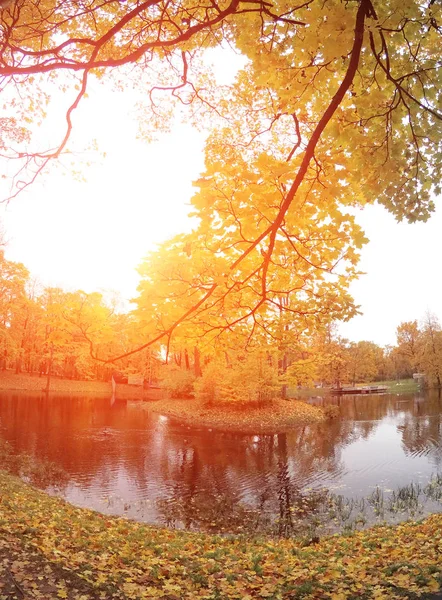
[121, 459]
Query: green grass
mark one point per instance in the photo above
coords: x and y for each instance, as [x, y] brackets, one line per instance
[395, 386]
[402, 386]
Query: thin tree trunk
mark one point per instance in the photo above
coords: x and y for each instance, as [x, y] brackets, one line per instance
[48, 375]
[197, 362]
[284, 369]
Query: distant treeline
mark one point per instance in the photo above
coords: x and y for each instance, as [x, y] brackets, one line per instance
[72, 334]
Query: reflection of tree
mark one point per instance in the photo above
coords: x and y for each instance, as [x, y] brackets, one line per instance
[202, 497]
[422, 428]
[75, 433]
[37, 471]
[210, 498]
[258, 486]
[202, 479]
[88, 436]
[285, 525]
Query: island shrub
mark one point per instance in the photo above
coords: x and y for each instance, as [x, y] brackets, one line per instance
[251, 379]
[178, 382]
[331, 411]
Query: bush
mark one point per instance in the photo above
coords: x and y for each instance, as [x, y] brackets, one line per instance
[178, 382]
[331, 411]
[252, 380]
[207, 387]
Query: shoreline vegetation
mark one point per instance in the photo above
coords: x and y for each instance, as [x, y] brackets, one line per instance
[277, 416]
[274, 417]
[24, 382]
[51, 549]
[401, 386]
[10, 381]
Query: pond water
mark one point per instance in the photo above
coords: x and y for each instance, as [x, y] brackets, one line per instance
[119, 458]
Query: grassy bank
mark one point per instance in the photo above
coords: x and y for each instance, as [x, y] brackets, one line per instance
[279, 415]
[9, 381]
[394, 386]
[51, 549]
[33, 383]
[401, 386]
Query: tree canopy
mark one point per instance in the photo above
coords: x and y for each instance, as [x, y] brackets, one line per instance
[337, 106]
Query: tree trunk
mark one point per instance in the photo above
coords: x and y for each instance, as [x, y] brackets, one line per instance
[197, 362]
[283, 488]
[284, 365]
[22, 347]
[48, 375]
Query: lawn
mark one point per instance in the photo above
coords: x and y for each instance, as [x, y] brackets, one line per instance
[395, 386]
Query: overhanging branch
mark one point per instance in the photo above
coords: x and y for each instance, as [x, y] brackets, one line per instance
[362, 13]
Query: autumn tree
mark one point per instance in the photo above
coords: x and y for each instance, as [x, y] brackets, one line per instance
[430, 358]
[73, 319]
[13, 278]
[419, 348]
[362, 361]
[56, 332]
[386, 368]
[251, 379]
[26, 330]
[84, 316]
[409, 346]
[331, 351]
[337, 106]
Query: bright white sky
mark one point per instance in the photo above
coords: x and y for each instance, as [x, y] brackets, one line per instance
[92, 235]
[402, 278]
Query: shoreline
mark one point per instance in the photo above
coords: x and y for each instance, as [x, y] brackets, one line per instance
[24, 382]
[276, 417]
[50, 546]
[9, 381]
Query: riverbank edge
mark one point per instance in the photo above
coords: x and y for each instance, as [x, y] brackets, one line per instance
[275, 417]
[278, 416]
[23, 382]
[60, 551]
[394, 386]
[10, 381]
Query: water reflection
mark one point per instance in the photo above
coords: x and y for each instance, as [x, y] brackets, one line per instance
[121, 459]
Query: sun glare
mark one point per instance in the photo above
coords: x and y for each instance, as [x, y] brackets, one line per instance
[92, 232]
